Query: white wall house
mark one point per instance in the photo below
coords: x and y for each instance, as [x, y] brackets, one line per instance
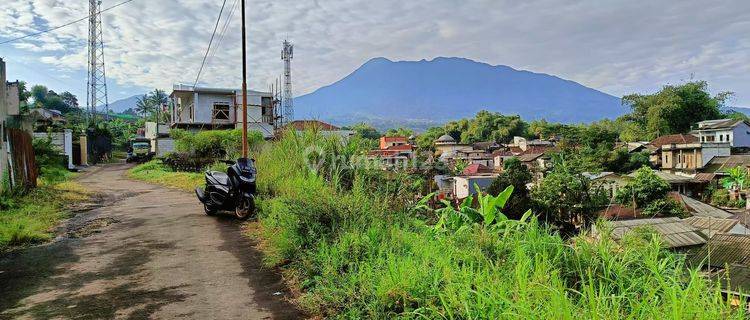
[202, 108]
[464, 186]
[736, 132]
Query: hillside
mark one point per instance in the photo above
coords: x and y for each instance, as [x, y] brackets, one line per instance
[121, 105]
[449, 88]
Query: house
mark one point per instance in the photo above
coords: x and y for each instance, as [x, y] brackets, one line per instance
[735, 132]
[465, 185]
[487, 146]
[499, 157]
[609, 181]
[475, 169]
[9, 107]
[681, 183]
[675, 233]
[655, 145]
[471, 156]
[524, 144]
[203, 108]
[633, 147]
[323, 128]
[445, 144]
[392, 152]
[691, 157]
[725, 259]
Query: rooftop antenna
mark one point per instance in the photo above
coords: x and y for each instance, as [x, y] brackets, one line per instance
[96, 86]
[287, 99]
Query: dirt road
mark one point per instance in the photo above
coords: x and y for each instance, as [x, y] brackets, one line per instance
[149, 252]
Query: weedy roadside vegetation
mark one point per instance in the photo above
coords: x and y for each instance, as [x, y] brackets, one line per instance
[361, 244]
[31, 217]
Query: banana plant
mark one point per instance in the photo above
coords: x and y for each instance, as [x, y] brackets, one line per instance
[488, 213]
[736, 179]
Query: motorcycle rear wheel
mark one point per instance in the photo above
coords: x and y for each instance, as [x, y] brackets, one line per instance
[245, 209]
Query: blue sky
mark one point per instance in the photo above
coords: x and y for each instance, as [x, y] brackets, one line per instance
[618, 47]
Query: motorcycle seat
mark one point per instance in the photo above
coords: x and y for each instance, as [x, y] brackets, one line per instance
[220, 177]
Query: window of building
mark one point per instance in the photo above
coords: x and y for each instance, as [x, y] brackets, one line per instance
[727, 137]
[721, 138]
[221, 111]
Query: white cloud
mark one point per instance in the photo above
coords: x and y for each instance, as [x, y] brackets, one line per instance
[617, 46]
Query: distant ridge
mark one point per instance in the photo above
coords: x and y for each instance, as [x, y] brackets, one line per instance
[450, 88]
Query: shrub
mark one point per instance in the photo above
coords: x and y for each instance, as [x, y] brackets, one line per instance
[665, 206]
[215, 144]
[179, 161]
[720, 198]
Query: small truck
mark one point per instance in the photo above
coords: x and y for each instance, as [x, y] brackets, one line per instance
[139, 150]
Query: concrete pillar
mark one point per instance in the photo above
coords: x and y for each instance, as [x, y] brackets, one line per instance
[84, 150]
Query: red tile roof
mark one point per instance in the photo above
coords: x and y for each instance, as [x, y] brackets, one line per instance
[674, 139]
[301, 125]
[476, 168]
[401, 147]
[394, 139]
[619, 212]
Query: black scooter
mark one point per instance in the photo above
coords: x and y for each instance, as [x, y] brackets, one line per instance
[234, 190]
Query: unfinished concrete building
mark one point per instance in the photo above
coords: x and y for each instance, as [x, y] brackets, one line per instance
[203, 108]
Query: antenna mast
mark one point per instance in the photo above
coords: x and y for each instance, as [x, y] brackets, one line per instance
[287, 100]
[96, 86]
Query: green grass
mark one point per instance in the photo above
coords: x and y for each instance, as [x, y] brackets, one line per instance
[358, 253]
[156, 172]
[31, 218]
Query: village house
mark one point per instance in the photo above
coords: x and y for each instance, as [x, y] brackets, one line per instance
[203, 108]
[609, 181]
[445, 144]
[466, 185]
[735, 132]
[655, 146]
[674, 233]
[691, 157]
[392, 152]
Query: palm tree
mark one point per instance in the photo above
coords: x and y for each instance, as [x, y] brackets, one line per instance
[159, 99]
[143, 105]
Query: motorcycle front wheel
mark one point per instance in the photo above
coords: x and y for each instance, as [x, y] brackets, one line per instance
[209, 211]
[245, 208]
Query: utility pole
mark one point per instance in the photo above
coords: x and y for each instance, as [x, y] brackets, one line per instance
[244, 86]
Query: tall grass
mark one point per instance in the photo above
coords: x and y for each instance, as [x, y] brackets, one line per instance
[155, 171]
[30, 218]
[357, 253]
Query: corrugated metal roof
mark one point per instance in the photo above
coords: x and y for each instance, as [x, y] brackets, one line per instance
[669, 177]
[722, 250]
[718, 124]
[674, 232]
[702, 209]
[711, 226]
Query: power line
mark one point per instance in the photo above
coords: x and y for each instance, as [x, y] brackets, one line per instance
[223, 31]
[62, 26]
[216, 26]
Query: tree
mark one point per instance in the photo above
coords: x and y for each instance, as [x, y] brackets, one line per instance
[515, 175]
[566, 197]
[426, 140]
[645, 188]
[675, 108]
[364, 130]
[39, 94]
[143, 105]
[400, 132]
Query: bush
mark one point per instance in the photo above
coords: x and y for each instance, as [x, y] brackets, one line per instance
[215, 144]
[720, 198]
[645, 188]
[178, 161]
[665, 206]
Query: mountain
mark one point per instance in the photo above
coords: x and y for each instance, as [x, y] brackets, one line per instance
[445, 89]
[121, 105]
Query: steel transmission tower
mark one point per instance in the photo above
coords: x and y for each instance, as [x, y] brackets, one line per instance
[287, 100]
[96, 86]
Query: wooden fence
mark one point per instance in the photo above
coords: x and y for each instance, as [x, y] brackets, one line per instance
[23, 171]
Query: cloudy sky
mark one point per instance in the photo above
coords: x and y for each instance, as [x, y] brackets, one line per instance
[618, 47]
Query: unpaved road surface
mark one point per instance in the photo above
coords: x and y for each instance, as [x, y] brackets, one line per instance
[147, 253]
